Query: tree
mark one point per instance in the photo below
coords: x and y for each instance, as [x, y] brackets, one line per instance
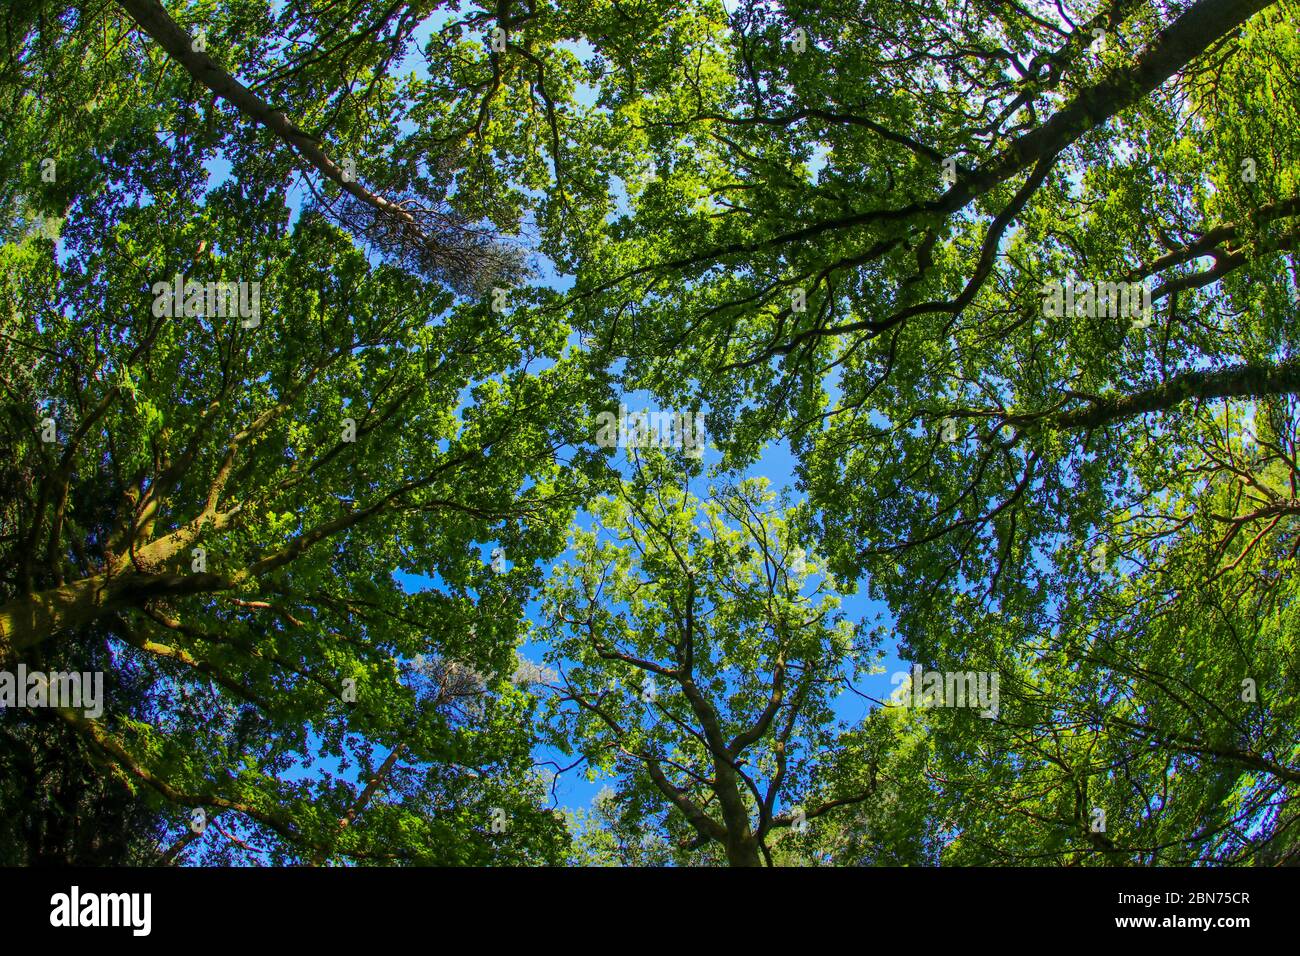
[222, 489]
[288, 353]
[853, 253]
[698, 662]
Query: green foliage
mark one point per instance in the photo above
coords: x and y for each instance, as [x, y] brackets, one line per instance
[829, 228]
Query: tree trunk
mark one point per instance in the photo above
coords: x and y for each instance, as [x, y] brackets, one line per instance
[742, 848]
[29, 620]
[742, 851]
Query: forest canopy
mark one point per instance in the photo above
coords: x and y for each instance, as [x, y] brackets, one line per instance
[967, 338]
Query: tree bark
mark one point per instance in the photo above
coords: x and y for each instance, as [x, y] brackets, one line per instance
[29, 620]
[1238, 381]
[743, 852]
[1174, 47]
